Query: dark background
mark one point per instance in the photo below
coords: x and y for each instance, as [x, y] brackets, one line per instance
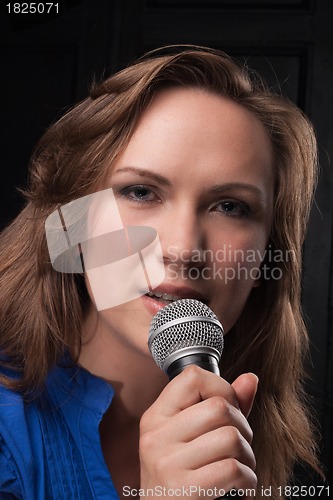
[47, 62]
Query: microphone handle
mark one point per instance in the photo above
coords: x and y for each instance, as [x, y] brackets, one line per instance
[205, 361]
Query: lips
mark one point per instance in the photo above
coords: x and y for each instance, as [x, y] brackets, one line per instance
[167, 297]
[166, 294]
[169, 294]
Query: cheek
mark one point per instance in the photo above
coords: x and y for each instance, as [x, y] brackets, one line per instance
[244, 250]
[234, 273]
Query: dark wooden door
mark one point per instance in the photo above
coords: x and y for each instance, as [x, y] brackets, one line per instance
[48, 60]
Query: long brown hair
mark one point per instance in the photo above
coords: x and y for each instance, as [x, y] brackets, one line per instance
[41, 310]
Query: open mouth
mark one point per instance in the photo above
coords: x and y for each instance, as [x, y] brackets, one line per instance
[165, 298]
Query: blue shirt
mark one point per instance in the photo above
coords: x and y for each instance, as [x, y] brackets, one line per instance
[50, 448]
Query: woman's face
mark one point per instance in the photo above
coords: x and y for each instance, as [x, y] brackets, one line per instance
[198, 169]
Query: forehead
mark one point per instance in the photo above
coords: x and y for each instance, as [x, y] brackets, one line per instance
[202, 110]
[187, 129]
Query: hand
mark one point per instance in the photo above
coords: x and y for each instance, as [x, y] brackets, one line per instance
[196, 435]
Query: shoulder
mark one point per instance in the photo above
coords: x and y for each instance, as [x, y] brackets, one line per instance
[52, 444]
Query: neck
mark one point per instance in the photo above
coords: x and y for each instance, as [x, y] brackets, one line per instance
[136, 379]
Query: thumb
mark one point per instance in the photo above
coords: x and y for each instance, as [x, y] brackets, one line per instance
[245, 387]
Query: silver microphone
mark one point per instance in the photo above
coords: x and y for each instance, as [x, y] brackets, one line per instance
[186, 332]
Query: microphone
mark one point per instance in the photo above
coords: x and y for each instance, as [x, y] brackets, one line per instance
[186, 332]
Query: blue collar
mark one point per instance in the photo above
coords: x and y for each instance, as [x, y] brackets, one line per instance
[68, 380]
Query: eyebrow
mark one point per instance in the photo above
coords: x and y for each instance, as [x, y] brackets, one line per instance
[143, 172]
[237, 186]
[218, 188]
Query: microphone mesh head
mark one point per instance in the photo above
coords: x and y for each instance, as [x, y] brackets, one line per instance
[191, 332]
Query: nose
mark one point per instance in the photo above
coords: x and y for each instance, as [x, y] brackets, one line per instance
[182, 236]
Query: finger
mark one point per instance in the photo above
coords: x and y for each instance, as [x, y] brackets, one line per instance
[217, 445]
[226, 475]
[245, 387]
[207, 416]
[190, 387]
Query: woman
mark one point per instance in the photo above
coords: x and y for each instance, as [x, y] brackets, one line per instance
[224, 172]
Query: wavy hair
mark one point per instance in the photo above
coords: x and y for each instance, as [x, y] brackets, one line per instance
[41, 311]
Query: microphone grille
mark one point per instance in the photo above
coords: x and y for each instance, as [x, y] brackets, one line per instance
[182, 324]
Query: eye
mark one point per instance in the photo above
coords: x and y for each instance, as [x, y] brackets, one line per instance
[232, 208]
[139, 193]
